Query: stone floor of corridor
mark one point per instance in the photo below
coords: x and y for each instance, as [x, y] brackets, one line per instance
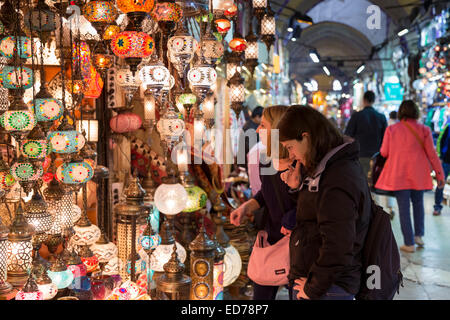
[427, 271]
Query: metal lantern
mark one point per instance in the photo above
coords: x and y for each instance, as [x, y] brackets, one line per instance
[30, 291]
[102, 58]
[132, 46]
[251, 52]
[259, 8]
[153, 77]
[210, 48]
[173, 284]
[170, 126]
[18, 120]
[233, 64]
[8, 47]
[149, 111]
[5, 287]
[100, 13]
[129, 82]
[268, 28]
[37, 215]
[237, 92]
[129, 216]
[136, 10]
[61, 206]
[19, 249]
[208, 109]
[202, 264]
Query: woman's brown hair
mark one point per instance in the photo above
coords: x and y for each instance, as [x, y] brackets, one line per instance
[273, 114]
[408, 110]
[323, 135]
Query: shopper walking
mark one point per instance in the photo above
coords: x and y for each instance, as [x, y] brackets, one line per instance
[367, 127]
[443, 150]
[408, 147]
[278, 223]
[333, 208]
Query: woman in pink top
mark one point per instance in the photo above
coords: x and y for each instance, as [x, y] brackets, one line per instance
[408, 147]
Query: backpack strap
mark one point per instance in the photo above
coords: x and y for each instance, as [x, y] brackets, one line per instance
[416, 135]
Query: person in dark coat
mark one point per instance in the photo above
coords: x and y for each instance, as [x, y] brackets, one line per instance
[333, 208]
[367, 127]
[279, 222]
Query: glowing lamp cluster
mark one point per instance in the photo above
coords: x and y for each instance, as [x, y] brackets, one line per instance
[8, 47]
[18, 120]
[75, 172]
[66, 141]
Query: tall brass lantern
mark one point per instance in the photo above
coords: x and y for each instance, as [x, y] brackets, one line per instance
[173, 284]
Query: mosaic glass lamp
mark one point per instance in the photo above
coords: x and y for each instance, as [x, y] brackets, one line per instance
[46, 286]
[7, 180]
[238, 43]
[201, 79]
[153, 76]
[8, 47]
[89, 259]
[26, 173]
[61, 206]
[18, 120]
[41, 18]
[47, 108]
[111, 31]
[66, 140]
[181, 48]
[129, 82]
[100, 13]
[76, 172]
[136, 10]
[102, 59]
[167, 14]
[104, 250]
[78, 269]
[196, 199]
[210, 48]
[19, 249]
[132, 46]
[223, 26]
[251, 52]
[30, 291]
[35, 147]
[86, 233]
[170, 126]
[16, 77]
[259, 8]
[237, 92]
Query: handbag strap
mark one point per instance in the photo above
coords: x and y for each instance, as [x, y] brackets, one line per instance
[415, 134]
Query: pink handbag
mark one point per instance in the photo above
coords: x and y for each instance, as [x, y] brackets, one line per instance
[269, 265]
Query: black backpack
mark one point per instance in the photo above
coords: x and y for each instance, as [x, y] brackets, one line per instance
[380, 250]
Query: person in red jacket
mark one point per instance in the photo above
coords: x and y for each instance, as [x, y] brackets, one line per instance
[408, 147]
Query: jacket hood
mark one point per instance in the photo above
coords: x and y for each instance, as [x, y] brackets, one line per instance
[348, 150]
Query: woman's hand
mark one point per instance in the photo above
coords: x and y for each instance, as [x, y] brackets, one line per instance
[285, 231]
[300, 288]
[292, 176]
[244, 211]
[441, 184]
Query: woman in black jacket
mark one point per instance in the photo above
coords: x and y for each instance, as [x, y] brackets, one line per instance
[333, 208]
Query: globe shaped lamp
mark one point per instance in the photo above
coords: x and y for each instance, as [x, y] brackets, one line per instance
[259, 8]
[136, 10]
[223, 26]
[18, 120]
[104, 250]
[8, 47]
[201, 79]
[89, 259]
[46, 286]
[66, 140]
[30, 291]
[41, 19]
[100, 13]
[36, 146]
[170, 196]
[60, 275]
[132, 46]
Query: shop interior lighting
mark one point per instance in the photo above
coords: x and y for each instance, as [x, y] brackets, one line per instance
[360, 69]
[325, 69]
[314, 56]
[403, 32]
[337, 85]
[290, 29]
[293, 39]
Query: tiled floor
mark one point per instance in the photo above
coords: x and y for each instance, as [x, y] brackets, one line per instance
[427, 271]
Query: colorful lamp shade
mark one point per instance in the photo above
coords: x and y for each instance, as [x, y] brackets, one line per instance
[30, 291]
[66, 141]
[103, 61]
[171, 199]
[85, 235]
[211, 49]
[60, 275]
[16, 77]
[238, 44]
[100, 11]
[125, 122]
[181, 48]
[36, 145]
[7, 180]
[149, 242]
[202, 76]
[170, 126]
[104, 251]
[162, 255]
[48, 109]
[222, 26]
[23, 170]
[91, 263]
[187, 98]
[8, 47]
[74, 172]
[196, 199]
[231, 11]
[41, 18]
[139, 267]
[18, 120]
[166, 11]
[132, 44]
[127, 6]
[111, 31]
[46, 286]
[154, 75]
